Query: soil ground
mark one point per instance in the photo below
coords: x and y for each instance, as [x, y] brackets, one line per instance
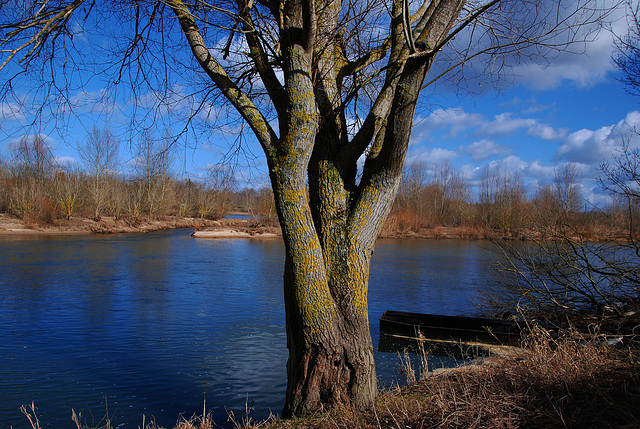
[11, 225]
[207, 228]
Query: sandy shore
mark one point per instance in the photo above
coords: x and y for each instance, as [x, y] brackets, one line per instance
[231, 233]
[204, 228]
[210, 229]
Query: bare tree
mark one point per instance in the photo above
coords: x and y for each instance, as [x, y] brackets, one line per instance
[410, 201]
[213, 197]
[343, 80]
[185, 195]
[32, 157]
[621, 178]
[247, 200]
[23, 196]
[266, 206]
[100, 156]
[5, 175]
[220, 182]
[627, 57]
[560, 204]
[451, 194]
[562, 272]
[153, 165]
[32, 168]
[562, 276]
[502, 198]
[67, 187]
[203, 201]
[566, 189]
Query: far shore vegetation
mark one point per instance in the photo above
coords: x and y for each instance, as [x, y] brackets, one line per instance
[435, 202]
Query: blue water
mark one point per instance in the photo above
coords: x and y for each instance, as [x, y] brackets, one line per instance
[155, 324]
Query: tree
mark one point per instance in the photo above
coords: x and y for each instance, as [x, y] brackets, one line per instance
[559, 204]
[319, 67]
[451, 194]
[33, 165]
[410, 203]
[621, 179]
[561, 273]
[213, 198]
[502, 198]
[100, 156]
[566, 190]
[627, 57]
[153, 164]
[67, 188]
[33, 157]
[4, 184]
[265, 205]
[220, 183]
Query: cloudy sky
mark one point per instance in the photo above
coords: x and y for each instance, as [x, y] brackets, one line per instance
[572, 111]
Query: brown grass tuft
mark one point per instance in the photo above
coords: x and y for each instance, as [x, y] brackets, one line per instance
[549, 384]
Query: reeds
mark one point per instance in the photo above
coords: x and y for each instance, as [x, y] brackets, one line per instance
[549, 383]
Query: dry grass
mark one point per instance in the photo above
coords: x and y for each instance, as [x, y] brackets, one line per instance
[549, 384]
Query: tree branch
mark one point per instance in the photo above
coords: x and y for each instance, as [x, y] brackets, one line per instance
[51, 23]
[258, 123]
[260, 58]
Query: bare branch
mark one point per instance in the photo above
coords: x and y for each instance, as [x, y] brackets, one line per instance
[50, 24]
[245, 106]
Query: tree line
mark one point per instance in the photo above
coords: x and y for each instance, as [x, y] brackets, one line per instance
[441, 196]
[37, 188]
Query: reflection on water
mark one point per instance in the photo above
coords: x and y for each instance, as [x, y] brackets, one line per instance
[152, 324]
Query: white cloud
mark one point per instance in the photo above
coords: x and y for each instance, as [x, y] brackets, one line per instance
[432, 156]
[455, 119]
[66, 161]
[510, 163]
[593, 147]
[504, 124]
[485, 149]
[90, 101]
[546, 132]
[11, 112]
[583, 64]
[540, 172]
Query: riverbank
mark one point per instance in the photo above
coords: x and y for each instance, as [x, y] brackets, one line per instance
[547, 383]
[207, 228]
[10, 225]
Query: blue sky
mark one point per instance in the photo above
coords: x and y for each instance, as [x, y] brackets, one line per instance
[531, 131]
[573, 111]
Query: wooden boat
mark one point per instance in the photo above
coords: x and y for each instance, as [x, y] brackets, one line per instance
[456, 328]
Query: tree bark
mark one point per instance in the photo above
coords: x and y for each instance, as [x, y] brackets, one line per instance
[329, 229]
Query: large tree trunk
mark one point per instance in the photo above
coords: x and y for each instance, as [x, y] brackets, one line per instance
[329, 229]
[330, 355]
[325, 284]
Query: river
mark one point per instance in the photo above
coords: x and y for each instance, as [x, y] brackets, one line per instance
[163, 324]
